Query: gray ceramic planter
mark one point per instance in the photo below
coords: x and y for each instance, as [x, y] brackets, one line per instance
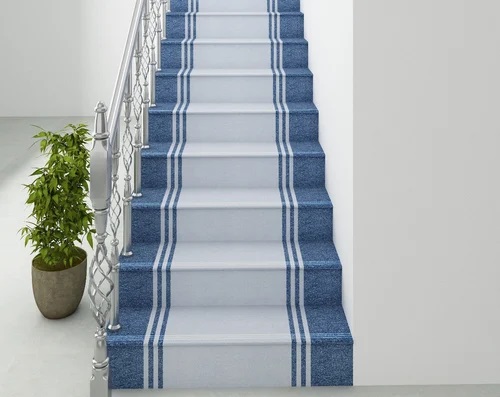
[58, 293]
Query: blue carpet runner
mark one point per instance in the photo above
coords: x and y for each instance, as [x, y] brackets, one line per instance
[234, 281]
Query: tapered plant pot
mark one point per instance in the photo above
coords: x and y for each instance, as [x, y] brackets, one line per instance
[59, 292]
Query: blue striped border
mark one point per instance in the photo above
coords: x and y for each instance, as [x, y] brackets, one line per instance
[162, 275]
[289, 210]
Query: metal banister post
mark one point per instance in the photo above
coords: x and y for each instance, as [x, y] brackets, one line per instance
[100, 284]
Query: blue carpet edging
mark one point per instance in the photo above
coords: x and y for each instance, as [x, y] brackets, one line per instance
[152, 351]
[312, 226]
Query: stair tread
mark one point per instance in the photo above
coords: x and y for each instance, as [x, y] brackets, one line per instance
[236, 72]
[235, 41]
[223, 325]
[233, 149]
[243, 107]
[219, 198]
[237, 13]
[221, 255]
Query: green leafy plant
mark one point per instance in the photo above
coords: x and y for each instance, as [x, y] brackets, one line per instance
[58, 195]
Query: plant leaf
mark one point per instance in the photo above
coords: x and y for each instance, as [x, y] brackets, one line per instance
[90, 239]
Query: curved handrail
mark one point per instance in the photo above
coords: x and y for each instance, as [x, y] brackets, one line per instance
[126, 63]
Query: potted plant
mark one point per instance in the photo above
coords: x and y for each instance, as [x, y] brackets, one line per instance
[60, 218]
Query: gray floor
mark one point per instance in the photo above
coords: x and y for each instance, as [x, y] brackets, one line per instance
[41, 357]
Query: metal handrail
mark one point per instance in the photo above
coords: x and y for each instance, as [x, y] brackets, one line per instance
[124, 73]
[134, 94]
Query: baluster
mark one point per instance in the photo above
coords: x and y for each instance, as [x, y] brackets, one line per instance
[145, 70]
[100, 284]
[137, 164]
[165, 5]
[138, 108]
[153, 63]
[116, 211]
[127, 151]
[159, 30]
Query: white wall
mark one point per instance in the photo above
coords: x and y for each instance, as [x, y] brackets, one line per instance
[40, 66]
[60, 57]
[329, 30]
[102, 46]
[427, 191]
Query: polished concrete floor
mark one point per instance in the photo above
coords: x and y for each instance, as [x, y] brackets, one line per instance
[39, 357]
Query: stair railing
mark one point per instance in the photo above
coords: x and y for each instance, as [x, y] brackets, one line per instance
[116, 139]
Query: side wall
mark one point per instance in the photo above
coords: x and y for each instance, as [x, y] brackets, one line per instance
[329, 30]
[60, 57]
[102, 43]
[41, 65]
[427, 191]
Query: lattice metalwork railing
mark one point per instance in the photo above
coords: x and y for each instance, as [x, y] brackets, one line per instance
[121, 134]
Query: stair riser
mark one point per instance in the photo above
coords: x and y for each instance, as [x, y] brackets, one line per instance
[234, 287]
[205, 366]
[234, 127]
[207, 362]
[231, 224]
[227, 172]
[235, 55]
[231, 89]
[336, 363]
[234, 26]
[236, 6]
[231, 366]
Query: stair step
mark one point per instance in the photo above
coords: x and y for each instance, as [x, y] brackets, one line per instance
[235, 25]
[235, 122]
[235, 214]
[221, 198]
[227, 165]
[229, 273]
[234, 85]
[236, 6]
[231, 346]
[235, 53]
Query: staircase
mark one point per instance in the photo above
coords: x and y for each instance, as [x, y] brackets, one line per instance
[234, 280]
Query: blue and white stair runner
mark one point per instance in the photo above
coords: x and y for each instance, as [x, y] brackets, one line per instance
[234, 281]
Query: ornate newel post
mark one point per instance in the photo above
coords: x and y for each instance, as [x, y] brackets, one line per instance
[100, 283]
